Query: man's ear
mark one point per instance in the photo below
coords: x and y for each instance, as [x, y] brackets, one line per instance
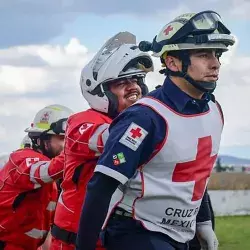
[45, 142]
[38, 141]
[173, 63]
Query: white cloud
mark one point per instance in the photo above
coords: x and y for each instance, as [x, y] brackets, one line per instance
[36, 22]
[28, 78]
[233, 94]
[240, 8]
[26, 89]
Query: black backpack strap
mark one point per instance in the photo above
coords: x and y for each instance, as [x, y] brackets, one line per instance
[2, 245]
[19, 199]
[63, 235]
[77, 173]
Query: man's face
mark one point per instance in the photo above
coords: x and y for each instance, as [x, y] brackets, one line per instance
[55, 144]
[204, 66]
[127, 91]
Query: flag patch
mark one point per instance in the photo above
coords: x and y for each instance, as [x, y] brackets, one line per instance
[85, 127]
[119, 159]
[134, 136]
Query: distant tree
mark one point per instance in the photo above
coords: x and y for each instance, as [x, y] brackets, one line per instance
[218, 166]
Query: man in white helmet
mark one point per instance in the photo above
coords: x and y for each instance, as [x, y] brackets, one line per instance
[169, 141]
[112, 81]
[4, 157]
[28, 194]
[26, 142]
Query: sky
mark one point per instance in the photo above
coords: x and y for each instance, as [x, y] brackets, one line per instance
[44, 45]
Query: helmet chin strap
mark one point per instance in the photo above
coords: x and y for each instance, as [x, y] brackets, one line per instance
[207, 87]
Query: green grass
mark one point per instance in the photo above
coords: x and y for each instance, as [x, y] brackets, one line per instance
[233, 232]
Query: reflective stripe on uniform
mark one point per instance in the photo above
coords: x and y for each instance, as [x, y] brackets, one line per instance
[51, 206]
[44, 173]
[93, 141]
[37, 186]
[36, 233]
[60, 200]
[105, 136]
[33, 169]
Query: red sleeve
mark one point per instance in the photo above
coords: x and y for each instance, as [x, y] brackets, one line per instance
[33, 172]
[86, 139]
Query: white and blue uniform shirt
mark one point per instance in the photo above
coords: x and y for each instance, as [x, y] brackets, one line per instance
[162, 150]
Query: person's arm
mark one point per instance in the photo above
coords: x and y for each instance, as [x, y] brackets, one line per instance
[42, 172]
[204, 213]
[35, 171]
[99, 192]
[204, 228]
[131, 139]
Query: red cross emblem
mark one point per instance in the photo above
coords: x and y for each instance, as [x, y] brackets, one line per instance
[136, 133]
[46, 115]
[45, 118]
[84, 127]
[31, 161]
[168, 29]
[197, 170]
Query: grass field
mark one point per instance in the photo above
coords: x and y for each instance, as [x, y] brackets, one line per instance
[229, 181]
[233, 232]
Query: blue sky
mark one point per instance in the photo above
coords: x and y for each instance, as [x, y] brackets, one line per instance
[145, 29]
[44, 45]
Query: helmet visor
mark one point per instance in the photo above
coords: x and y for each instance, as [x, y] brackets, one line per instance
[206, 21]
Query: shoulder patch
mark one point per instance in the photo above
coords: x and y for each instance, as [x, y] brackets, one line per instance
[134, 136]
[85, 127]
[31, 161]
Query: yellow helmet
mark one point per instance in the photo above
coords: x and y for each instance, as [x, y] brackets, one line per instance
[51, 119]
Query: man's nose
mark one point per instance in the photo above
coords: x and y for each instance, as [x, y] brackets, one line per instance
[131, 84]
[215, 62]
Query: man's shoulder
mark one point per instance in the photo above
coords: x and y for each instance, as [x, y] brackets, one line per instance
[135, 113]
[27, 155]
[89, 116]
[141, 115]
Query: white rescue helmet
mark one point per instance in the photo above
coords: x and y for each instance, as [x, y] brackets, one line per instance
[26, 142]
[50, 120]
[190, 31]
[203, 30]
[118, 58]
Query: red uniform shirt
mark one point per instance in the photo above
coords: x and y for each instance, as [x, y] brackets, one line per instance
[28, 197]
[85, 136]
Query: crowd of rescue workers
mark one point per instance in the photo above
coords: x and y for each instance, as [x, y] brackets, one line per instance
[130, 172]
